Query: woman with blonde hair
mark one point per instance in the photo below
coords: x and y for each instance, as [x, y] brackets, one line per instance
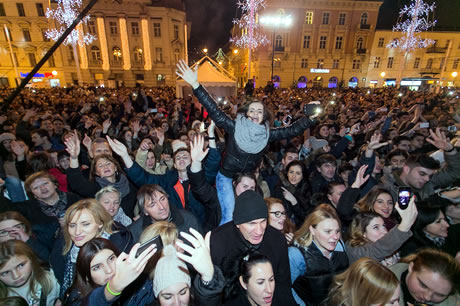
[21, 275]
[277, 218]
[365, 282]
[110, 198]
[83, 221]
[317, 255]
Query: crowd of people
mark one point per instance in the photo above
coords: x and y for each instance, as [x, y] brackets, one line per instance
[270, 197]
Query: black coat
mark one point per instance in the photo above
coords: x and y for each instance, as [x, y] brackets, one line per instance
[228, 246]
[236, 160]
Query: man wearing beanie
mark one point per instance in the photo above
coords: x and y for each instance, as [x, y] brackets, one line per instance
[249, 231]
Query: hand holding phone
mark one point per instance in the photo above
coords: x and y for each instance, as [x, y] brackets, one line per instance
[155, 240]
[404, 194]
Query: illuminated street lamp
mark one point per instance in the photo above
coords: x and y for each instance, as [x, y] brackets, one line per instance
[54, 72]
[235, 51]
[454, 75]
[275, 22]
[205, 50]
[382, 74]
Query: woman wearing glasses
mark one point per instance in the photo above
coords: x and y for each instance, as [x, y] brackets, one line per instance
[13, 226]
[277, 218]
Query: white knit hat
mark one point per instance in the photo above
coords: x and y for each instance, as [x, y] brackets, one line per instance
[169, 270]
[178, 144]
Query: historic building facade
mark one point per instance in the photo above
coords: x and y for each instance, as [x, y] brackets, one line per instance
[138, 41]
[327, 44]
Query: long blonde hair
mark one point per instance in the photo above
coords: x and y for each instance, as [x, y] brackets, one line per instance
[303, 236]
[101, 216]
[365, 282]
[12, 248]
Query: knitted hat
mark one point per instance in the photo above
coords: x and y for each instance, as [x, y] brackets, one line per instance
[249, 206]
[177, 144]
[7, 136]
[169, 270]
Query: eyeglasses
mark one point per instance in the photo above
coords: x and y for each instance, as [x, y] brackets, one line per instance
[6, 232]
[278, 214]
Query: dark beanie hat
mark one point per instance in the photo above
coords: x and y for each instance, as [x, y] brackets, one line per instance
[249, 206]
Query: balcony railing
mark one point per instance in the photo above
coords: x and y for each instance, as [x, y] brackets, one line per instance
[139, 63]
[117, 63]
[361, 51]
[436, 50]
[430, 71]
[364, 26]
[94, 62]
[279, 48]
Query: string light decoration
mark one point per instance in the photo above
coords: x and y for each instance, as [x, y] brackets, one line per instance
[418, 14]
[65, 14]
[220, 56]
[250, 38]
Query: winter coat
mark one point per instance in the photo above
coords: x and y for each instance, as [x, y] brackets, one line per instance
[442, 178]
[183, 220]
[81, 185]
[228, 246]
[236, 160]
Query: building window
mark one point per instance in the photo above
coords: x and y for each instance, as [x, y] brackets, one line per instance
[309, 17]
[159, 54]
[95, 53]
[441, 65]
[91, 27]
[447, 44]
[135, 28]
[117, 55]
[113, 27]
[277, 63]
[381, 42]
[455, 65]
[138, 55]
[342, 17]
[390, 62]
[157, 29]
[363, 18]
[8, 34]
[338, 42]
[429, 64]
[278, 41]
[26, 34]
[335, 64]
[2, 10]
[356, 64]
[417, 62]
[304, 63]
[377, 62]
[326, 18]
[176, 55]
[359, 43]
[21, 11]
[306, 41]
[70, 49]
[32, 59]
[45, 38]
[320, 63]
[176, 31]
[161, 79]
[322, 42]
[40, 10]
[51, 62]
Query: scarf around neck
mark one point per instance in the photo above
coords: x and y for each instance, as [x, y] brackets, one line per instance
[251, 137]
[122, 184]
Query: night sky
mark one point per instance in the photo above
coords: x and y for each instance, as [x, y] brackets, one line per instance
[212, 20]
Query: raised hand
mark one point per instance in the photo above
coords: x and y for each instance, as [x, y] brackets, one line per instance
[87, 142]
[439, 140]
[211, 129]
[144, 146]
[106, 125]
[375, 143]
[117, 147]
[197, 152]
[408, 215]
[200, 254]
[289, 196]
[72, 144]
[136, 127]
[128, 267]
[29, 113]
[185, 72]
[360, 178]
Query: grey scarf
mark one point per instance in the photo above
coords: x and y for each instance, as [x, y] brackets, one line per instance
[122, 185]
[251, 137]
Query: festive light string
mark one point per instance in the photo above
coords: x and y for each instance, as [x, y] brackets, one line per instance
[65, 14]
[250, 37]
[418, 13]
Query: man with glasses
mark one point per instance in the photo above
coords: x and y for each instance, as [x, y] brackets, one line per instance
[154, 206]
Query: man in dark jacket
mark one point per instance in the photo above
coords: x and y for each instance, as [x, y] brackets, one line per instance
[154, 206]
[249, 232]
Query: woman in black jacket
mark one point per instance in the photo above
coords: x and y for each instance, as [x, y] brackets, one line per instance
[293, 189]
[105, 171]
[248, 136]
